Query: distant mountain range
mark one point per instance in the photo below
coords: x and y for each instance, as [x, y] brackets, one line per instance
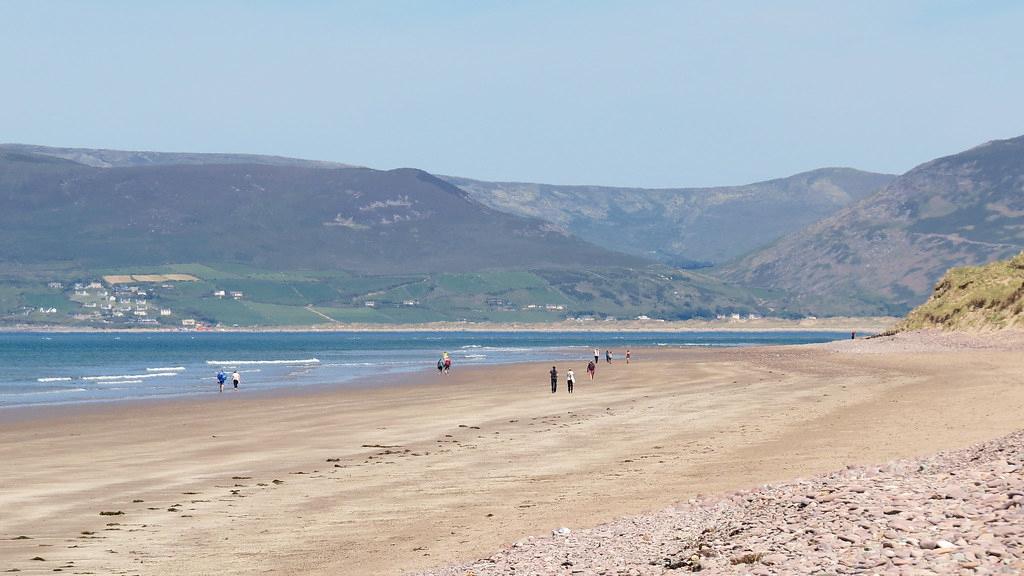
[686, 227]
[306, 243]
[282, 214]
[103, 158]
[834, 241]
[884, 253]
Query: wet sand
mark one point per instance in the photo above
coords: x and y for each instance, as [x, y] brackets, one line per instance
[443, 470]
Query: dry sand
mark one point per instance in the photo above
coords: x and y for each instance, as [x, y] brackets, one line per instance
[445, 470]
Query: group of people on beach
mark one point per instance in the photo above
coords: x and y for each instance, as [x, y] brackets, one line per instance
[222, 377]
[570, 376]
[444, 366]
[608, 356]
[444, 363]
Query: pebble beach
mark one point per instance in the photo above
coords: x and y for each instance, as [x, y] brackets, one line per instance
[959, 512]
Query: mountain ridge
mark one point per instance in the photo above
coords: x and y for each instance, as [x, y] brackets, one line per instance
[683, 226]
[112, 158]
[271, 215]
[884, 253]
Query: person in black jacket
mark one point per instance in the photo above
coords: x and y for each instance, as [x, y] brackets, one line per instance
[554, 379]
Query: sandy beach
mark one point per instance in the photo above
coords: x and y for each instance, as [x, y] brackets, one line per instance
[437, 470]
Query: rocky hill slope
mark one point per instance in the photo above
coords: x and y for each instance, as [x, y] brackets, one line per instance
[974, 298]
[884, 253]
[683, 226]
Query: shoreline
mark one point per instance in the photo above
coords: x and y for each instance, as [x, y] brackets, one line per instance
[526, 346]
[411, 477]
[870, 324]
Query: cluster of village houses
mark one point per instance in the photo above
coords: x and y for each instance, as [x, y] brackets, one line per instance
[125, 303]
[737, 317]
[121, 303]
[502, 304]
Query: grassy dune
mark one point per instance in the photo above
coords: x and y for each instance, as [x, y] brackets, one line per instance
[975, 298]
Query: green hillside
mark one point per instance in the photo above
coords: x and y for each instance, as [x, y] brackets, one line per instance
[232, 294]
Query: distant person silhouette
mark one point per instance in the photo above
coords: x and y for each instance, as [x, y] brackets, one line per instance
[592, 370]
[554, 379]
[221, 378]
[570, 379]
[236, 378]
[608, 356]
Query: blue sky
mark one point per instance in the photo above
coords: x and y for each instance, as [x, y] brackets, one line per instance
[615, 93]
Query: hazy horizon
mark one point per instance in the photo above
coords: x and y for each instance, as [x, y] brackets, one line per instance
[654, 95]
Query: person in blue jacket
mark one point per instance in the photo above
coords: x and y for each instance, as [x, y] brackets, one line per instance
[221, 378]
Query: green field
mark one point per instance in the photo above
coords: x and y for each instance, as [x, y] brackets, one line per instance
[305, 297]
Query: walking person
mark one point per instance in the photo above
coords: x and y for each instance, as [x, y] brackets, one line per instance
[221, 378]
[591, 369]
[608, 356]
[597, 355]
[447, 363]
[554, 379]
[570, 379]
[236, 378]
[440, 365]
[627, 355]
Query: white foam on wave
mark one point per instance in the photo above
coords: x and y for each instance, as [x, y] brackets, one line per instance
[58, 391]
[171, 369]
[370, 364]
[56, 379]
[480, 348]
[260, 362]
[129, 376]
[474, 356]
[121, 382]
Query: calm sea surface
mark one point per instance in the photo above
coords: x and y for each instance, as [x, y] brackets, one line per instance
[73, 368]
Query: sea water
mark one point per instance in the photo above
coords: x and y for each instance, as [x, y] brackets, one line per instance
[61, 368]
